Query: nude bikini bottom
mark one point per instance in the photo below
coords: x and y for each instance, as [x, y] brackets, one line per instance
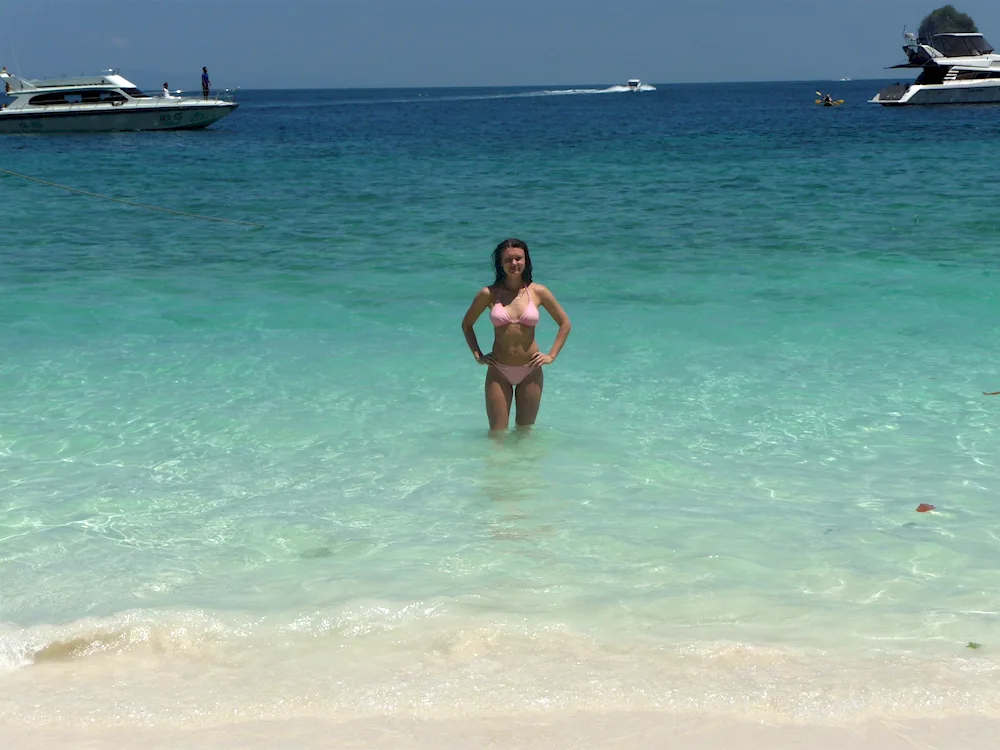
[514, 373]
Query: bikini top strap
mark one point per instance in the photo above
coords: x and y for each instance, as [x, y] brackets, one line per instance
[496, 296]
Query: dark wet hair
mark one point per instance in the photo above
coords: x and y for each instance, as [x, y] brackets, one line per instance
[498, 260]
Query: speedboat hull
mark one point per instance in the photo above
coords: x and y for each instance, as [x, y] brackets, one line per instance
[161, 115]
[954, 92]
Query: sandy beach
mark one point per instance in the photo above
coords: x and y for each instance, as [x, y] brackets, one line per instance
[582, 730]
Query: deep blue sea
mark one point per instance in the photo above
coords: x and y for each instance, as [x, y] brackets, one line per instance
[245, 471]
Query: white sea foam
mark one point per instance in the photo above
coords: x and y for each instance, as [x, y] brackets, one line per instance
[380, 659]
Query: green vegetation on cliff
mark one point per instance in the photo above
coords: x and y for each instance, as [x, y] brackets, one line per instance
[943, 20]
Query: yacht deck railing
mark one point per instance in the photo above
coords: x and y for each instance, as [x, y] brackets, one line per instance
[219, 95]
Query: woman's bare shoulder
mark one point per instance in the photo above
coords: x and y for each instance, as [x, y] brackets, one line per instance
[483, 297]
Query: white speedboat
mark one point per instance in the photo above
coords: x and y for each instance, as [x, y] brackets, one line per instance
[634, 84]
[102, 103]
[956, 68]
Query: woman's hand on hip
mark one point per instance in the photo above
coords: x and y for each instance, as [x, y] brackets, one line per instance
[538, 359]
[486, 359]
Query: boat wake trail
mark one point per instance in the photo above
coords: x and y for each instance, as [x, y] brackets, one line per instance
[608, 90]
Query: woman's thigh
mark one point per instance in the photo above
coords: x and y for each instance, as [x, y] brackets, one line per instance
[499, 394]
[528, 397]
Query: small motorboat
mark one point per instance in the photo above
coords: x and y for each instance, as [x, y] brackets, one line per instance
[102, 103]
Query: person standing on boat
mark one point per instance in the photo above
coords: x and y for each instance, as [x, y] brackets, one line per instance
[206, 85]
[166, 91]
[514, 372]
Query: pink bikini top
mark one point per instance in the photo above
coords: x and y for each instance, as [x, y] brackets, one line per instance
[499, 316]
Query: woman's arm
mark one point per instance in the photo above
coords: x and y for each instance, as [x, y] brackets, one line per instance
[480, 303]
[548, 300]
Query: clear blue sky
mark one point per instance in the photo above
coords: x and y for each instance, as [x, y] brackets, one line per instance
[370, 43]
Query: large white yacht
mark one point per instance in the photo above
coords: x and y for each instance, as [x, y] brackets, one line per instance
[956, 68]
[102, 103]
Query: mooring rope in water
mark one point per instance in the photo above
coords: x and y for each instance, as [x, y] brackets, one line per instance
[128, 203]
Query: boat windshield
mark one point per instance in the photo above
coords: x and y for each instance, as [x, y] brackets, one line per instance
[961, 45]
[83, 96]
[136, 94]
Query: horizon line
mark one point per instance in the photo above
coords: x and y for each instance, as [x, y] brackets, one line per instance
[548, 85]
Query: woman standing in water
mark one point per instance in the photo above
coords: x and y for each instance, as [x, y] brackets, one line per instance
[514, 373]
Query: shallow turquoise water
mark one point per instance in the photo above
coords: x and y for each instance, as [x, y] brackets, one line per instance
[783, 328]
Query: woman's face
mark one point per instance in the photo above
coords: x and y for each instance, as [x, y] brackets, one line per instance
[513, 261]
